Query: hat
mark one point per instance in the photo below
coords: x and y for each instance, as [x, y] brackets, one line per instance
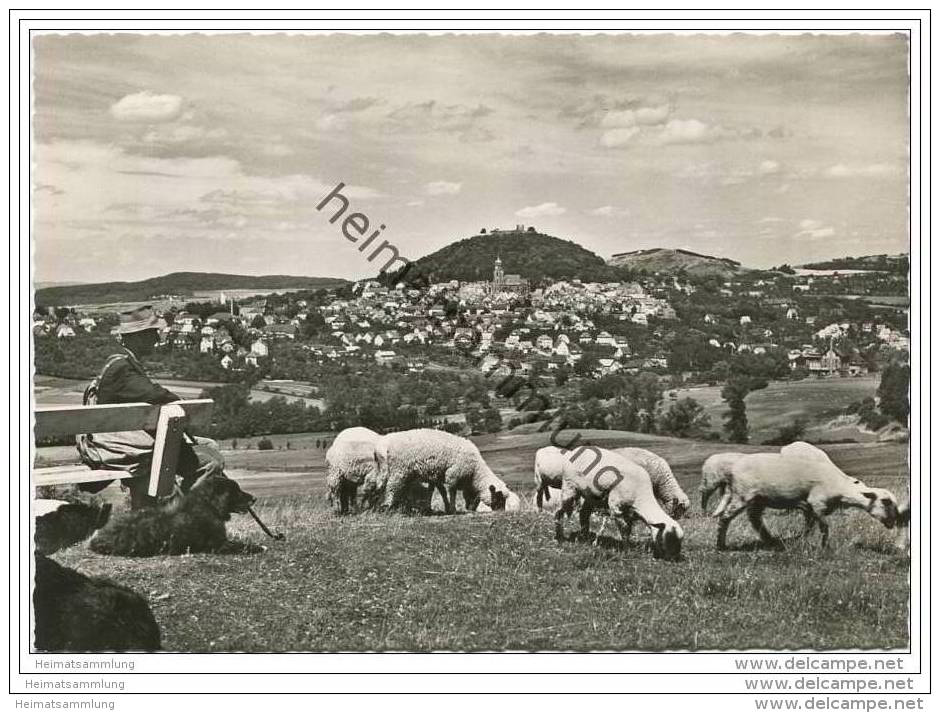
[138, 320]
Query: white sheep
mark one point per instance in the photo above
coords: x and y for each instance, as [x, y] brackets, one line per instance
[801, 449]
[550, 466]
[665, 486]
[904, 526]
[603, 478]
[817, 487]
[716, 471]
[350, 460]
[444, 461]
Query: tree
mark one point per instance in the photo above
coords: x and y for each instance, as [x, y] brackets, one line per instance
[686, 418]
[264, 444]
[734, 392]
[561, 375]
[492, 421]
[258, 322]
[893, 392]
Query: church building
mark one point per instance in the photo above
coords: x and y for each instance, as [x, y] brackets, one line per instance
[507, 283]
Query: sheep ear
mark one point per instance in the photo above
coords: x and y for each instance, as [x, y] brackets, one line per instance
[870, 496]
[659, 526]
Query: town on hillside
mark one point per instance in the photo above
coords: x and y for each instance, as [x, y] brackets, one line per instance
[781, 324]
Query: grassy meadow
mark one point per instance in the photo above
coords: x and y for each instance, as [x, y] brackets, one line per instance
[817, 401]
[500, 582]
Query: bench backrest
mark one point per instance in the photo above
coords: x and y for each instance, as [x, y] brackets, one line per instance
[52, 421]
[167, 422]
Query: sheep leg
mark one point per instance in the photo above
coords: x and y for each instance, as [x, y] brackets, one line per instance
[393, 491]
[624, 522]
[755, 515]
[565, 510]
[726, 496]
[809, 520]
[449, 502]
[728, 514]
[600, 530]
[820, 511]
[585, 517]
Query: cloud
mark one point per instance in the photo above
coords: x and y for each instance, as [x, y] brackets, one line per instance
[414, 204]
[417, 117]
[147, 107]
[644, 116]
[768, 167]
[687, 131]
[770, 219]
[873, 170]
[618, 137]
[181, 133]
[608, 211]
[811, 229]
[442, 188]
[539, 211]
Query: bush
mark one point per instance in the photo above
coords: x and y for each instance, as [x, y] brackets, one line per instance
[265, 444]
[685, 419]
[788, 434]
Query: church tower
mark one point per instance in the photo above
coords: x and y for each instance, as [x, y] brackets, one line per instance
[497, 274]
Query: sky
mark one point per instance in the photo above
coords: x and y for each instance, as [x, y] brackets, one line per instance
[162, 153]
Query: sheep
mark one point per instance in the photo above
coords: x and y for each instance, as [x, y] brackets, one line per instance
[775, 480]
[665, 486]
[626, 490]
[443, 460]
[349, 460]
[715, 473]
[801, 449]
[904, 526]
[550, 464]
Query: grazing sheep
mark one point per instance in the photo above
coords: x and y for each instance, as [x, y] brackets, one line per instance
[550, 465]
[665, 486]
[194, 522]
[763, 480]
[61, 523]
[610, 480]
[716, 471]
[443, 460]
[904, 526]
[75, 613]
[349, 461]
[802, 449]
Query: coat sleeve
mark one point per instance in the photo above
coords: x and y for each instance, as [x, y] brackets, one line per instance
[124, 384]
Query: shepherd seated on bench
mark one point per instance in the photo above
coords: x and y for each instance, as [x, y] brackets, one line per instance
[123, 380]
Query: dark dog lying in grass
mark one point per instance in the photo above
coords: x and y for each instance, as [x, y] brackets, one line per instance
[78, 613]
[194, 522]
[61, 523]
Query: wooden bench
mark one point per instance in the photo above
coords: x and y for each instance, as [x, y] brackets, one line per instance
[169, 421]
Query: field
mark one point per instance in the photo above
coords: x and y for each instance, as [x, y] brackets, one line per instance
[57, 391]
[500, 581]
[768, 410]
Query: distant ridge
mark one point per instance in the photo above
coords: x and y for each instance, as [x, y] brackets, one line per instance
[884, 263]
[183, 284]
[671, 260]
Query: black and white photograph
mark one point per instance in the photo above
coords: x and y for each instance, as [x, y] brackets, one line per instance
[471, 341]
